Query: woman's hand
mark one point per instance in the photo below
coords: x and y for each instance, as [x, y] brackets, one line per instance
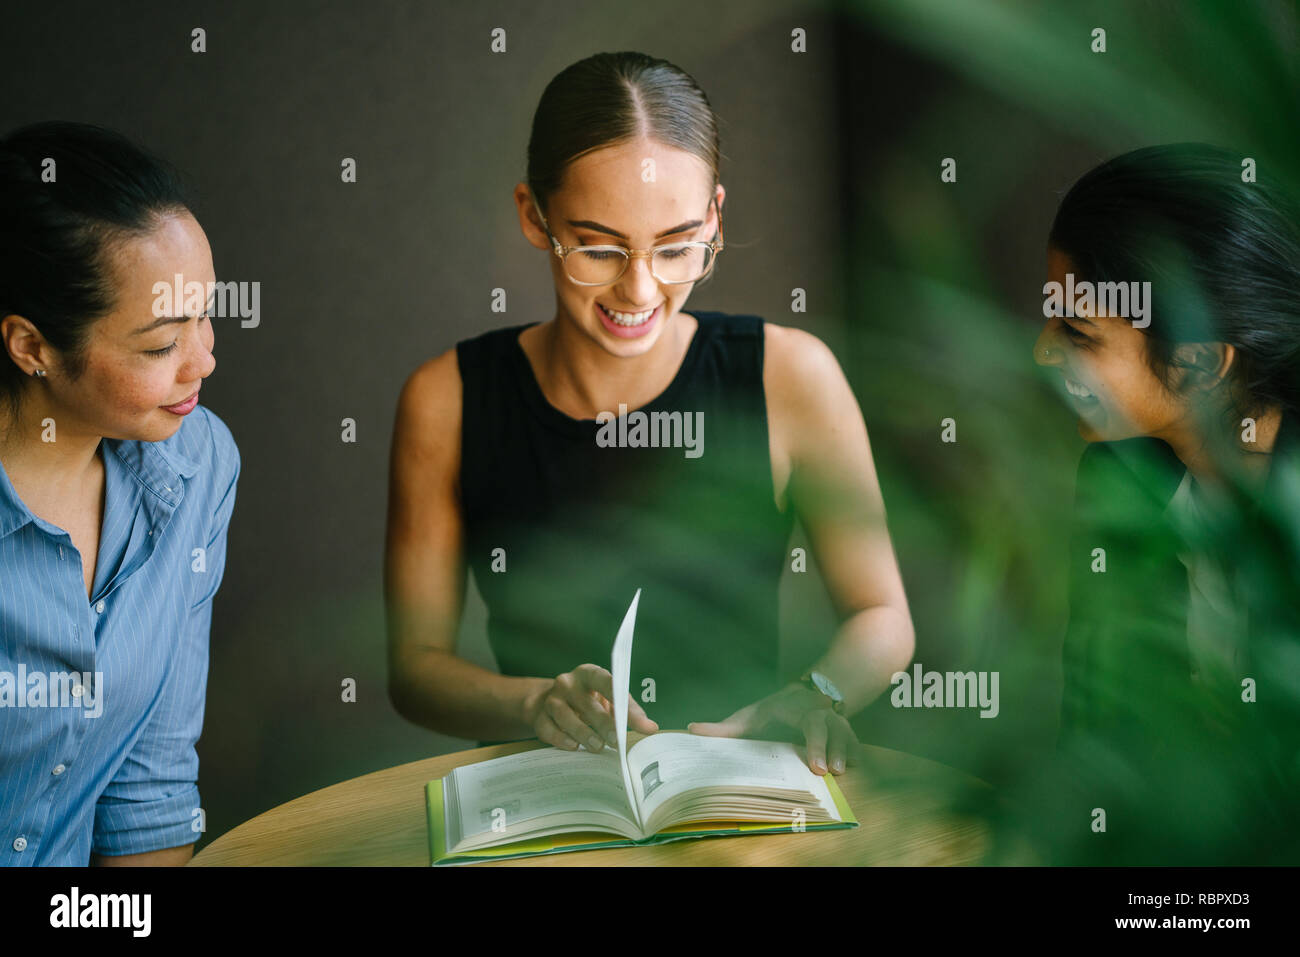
[576, 710]
[827, 734]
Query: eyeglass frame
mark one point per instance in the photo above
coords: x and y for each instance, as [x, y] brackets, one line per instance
[715, 246]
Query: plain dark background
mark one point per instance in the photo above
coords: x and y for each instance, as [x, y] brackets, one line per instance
[929, 293]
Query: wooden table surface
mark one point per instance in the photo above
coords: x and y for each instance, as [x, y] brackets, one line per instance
[903, 803]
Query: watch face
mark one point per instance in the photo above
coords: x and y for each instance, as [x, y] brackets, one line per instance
[824, 685]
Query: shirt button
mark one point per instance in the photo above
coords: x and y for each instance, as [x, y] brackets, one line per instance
[59, 769]
[20, 843]
[99, 607]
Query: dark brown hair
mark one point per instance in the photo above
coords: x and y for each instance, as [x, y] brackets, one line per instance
[609, 98]
[1223, 256]
[56, 236]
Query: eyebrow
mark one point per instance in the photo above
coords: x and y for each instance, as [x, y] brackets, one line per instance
[169, 319]
[597, 227]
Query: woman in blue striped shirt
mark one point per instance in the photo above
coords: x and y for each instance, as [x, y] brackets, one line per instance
[116, 490]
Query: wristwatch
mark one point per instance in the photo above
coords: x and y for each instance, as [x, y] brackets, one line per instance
[816, 681]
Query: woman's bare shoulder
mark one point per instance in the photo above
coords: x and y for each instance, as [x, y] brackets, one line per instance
[810, 405]
[433, 391]
[426, 432]
[797, 365]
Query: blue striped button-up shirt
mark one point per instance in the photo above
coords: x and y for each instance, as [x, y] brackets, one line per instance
[101, 701]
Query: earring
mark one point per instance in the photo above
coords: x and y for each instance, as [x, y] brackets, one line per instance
[1047, 353]
[39, 372]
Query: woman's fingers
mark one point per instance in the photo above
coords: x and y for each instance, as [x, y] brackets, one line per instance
[580, 689]
[568, 721]
[814, 729]
[737, 725]
[638, 720]
[549, 733]
[577, 711]
[841, 739]
[597, 679]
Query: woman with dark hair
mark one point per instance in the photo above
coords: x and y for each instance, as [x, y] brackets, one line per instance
[1181, 686]
[516, 453]
[116, 490]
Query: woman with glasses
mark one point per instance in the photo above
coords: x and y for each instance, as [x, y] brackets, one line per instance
[627, 443]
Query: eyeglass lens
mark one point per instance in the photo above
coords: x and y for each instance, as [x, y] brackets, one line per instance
[683, 262]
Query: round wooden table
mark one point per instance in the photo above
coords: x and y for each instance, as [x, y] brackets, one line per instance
[904, 805]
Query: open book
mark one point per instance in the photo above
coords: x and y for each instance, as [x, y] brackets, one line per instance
[668, 786]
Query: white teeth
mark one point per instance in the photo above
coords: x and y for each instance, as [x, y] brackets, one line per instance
[1075, 389]
[627, 318]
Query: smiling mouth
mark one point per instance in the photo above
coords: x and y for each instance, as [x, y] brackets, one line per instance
[1078, 390]
[628, 319]
[182, 401]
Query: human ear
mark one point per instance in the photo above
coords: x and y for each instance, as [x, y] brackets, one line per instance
[1204, 364]
[529, 223]
[23, 342]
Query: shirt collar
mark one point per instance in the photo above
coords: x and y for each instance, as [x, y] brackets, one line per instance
[13, 513]
[1182, 498]
[158, 467]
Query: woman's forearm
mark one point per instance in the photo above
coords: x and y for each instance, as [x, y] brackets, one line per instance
[868, 649]
[445, 693]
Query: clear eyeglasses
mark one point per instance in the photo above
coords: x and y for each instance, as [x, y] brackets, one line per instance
[671, 263]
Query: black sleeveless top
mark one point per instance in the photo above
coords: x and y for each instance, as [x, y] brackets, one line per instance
[563, 525]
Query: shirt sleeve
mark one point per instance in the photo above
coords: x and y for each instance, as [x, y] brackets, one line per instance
[153, 802]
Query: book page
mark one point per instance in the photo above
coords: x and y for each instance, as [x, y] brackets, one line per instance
[621, 669]
[502, 795]
[670, 763]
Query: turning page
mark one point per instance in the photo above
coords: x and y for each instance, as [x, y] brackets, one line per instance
[621, 669]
